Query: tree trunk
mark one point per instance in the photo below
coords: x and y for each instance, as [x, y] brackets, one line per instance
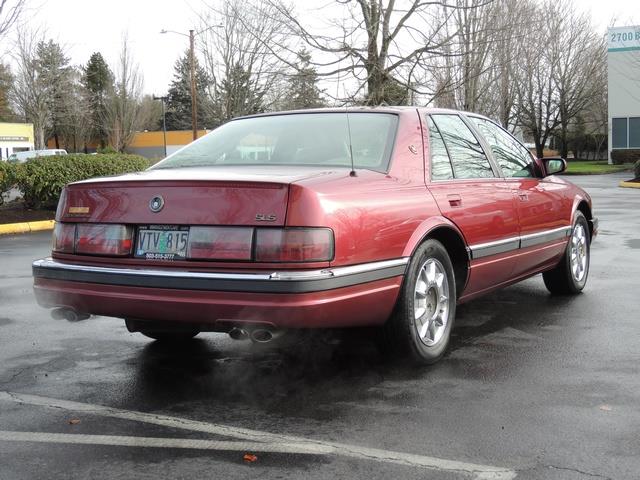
[539, 147]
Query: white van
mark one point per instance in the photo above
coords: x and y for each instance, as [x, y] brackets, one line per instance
[21, 157]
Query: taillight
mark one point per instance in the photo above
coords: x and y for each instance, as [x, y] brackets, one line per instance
[220, 243]
[64, 235]
[101, 239]
[294, 245]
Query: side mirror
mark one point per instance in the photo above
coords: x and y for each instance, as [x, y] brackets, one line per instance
[554, 165]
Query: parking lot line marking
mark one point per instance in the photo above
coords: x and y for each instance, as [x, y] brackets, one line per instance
[154, 442]
[480, 472]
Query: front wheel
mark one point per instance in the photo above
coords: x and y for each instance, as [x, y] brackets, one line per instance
[570, 276]
[421, 324]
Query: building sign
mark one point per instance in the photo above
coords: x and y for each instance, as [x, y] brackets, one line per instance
[13, 138]
[623, 39]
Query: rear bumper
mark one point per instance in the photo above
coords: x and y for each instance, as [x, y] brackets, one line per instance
[339, 297]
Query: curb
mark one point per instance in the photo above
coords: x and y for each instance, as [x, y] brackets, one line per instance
[26, 227]
[629, 184]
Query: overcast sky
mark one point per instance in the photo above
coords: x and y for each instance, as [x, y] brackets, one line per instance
[87, 26]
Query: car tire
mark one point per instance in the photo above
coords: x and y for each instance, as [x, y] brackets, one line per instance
[570, 276]
[420, 326]
[170, 337]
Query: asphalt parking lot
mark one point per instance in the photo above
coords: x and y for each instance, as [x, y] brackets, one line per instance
[533, 387]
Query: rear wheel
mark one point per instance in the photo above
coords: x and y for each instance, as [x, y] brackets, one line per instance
[421, 324]
[170, 337]
[570, 276]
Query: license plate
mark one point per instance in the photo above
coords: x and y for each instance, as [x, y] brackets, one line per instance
[162, 242]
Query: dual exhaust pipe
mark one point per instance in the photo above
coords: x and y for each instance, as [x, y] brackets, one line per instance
[68, 314]
[257, 335]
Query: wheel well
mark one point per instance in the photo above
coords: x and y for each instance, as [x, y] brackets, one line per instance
[457, 253]
[586, 211]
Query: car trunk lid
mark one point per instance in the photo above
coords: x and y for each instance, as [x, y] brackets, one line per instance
[183, 197]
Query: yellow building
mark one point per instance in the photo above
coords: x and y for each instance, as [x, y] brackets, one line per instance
[15, 137]
[150, 144]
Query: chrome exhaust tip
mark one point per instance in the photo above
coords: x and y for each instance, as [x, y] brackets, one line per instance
[261, 335]
[68, 314]
[238, 334]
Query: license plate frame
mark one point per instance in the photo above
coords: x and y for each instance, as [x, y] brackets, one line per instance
[162, 242]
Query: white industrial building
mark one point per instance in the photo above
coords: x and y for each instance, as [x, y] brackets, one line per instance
[623, 58]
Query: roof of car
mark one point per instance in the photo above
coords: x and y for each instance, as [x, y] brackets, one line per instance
[363, 109]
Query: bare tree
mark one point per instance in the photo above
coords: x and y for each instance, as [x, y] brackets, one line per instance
[536, 92]
[383, 45]
[123, 108]
[513, 22]
[10, 11]
[556, 72]
[479, 71]
[243, 46]
[475, 36]
[579, 54]
[29, 93]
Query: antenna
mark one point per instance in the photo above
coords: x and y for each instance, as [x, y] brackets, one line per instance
[352, 173]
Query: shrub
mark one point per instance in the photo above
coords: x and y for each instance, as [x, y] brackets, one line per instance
[636, 169]
[108, 150]
[618, 157]
[41, 180]
[7, 178]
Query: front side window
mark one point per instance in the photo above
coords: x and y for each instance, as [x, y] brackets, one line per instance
[514, 159]
[306, 139]
[467, 157]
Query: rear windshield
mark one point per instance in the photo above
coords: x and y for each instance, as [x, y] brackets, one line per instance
[313, 139]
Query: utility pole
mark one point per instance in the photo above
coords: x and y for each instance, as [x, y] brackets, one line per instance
[164, 122]
[194, 91]
[192, 68]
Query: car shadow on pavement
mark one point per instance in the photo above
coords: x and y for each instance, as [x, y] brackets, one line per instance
[330, 366]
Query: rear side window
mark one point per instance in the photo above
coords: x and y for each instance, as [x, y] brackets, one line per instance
[467, 157]
[514, 159]
[440, 164]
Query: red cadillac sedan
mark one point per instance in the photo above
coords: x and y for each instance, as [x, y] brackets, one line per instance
[327, 218]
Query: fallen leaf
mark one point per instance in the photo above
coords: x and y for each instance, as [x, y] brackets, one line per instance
[74, 421]
[249, 457]
[605, 408]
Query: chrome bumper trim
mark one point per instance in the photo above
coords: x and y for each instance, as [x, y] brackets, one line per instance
[274, 282]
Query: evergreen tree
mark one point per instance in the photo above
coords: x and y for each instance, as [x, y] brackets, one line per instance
[6, 81]
[178, 115]
[98, 81]
[56, 77]
[303, 88]
[238, 95]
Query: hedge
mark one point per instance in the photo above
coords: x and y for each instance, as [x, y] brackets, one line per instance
[618, 157]
[636, 169]
[41, 180]
[7, 178]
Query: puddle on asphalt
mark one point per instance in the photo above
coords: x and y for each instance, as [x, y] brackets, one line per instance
[633, 243]
[5, 321]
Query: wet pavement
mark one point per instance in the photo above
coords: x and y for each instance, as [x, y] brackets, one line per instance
[533, 386]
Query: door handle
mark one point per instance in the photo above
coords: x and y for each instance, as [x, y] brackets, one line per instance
[523, 196]
[455, 200]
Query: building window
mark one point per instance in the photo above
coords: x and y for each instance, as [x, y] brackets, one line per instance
[634, 132]
[619, 132]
